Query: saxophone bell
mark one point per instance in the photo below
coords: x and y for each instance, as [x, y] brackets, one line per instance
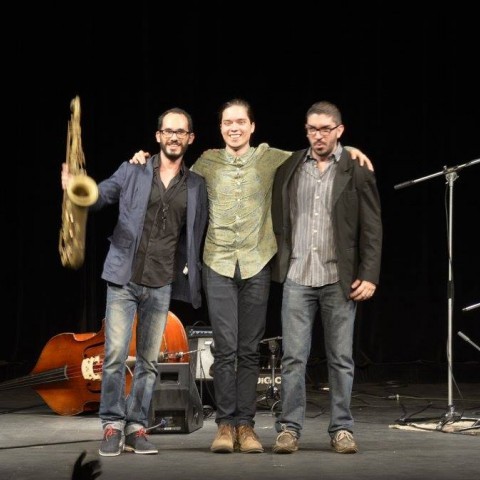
[82, 190]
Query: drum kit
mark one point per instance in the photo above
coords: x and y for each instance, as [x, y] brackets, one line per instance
[270, 397]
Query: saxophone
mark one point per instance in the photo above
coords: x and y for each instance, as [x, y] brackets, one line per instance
[81, 192]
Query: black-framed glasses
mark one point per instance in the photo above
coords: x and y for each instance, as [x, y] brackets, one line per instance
[324, 131]
[180, 133]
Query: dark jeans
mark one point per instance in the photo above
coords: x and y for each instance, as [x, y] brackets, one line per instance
[237, 309]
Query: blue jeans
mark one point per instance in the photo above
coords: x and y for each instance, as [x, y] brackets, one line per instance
[130, 413]
[237, 310]
[300, 305]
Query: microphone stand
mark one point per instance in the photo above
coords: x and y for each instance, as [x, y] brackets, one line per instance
[450, 175]
[471, 342]
[471, 307]
[475, 425]
[461, 334]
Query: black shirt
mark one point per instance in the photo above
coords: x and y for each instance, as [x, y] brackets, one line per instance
[165, 218]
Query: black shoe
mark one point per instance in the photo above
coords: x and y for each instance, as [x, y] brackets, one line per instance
[112, 443]
[137, 442]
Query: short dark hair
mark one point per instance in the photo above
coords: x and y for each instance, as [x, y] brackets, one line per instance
[180, 111]
[325, 108]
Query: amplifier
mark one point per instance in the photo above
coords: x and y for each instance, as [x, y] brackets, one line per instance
[176, 405]
[200, 343]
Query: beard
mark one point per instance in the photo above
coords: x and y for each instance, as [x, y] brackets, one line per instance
[173, 155]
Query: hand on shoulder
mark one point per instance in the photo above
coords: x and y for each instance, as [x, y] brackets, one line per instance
[140, 157]
[361, 157]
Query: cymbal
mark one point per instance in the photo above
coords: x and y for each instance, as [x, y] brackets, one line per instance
[266, 340]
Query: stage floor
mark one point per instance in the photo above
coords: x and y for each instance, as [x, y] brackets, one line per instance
[37, 443]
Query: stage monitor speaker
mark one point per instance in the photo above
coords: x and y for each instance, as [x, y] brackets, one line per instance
[176, 405]
[200, 341]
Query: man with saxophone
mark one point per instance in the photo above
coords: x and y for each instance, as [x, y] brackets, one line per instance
[150, 261]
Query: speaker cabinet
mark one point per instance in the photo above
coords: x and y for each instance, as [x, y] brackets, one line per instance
[200, 342]
[176, 406]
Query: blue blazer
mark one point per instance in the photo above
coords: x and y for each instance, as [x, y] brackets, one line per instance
[130, 187]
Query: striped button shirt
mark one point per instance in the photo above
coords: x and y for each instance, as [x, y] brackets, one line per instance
[313, 262]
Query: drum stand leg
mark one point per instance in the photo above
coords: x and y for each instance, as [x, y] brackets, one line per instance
[271, 396]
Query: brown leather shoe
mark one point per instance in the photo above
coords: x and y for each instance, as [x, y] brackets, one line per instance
[247, 440]
[224, 441]
[286, 442]
[343, 442]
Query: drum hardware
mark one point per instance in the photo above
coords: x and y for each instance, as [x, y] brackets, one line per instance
[166, 356]
[271, 396]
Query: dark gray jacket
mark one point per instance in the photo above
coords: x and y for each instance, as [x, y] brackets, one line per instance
[356, 219]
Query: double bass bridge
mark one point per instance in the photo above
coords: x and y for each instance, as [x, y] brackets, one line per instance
[92, 368]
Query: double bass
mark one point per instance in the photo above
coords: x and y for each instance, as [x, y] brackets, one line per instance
[68, 372]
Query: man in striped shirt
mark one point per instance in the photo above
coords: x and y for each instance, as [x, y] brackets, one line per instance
[327, 221]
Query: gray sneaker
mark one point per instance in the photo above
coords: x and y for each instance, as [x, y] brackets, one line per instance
[287, 442]
[343, 442]
[112, 443]
[137, 442]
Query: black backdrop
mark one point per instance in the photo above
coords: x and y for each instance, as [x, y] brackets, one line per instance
[404, 80]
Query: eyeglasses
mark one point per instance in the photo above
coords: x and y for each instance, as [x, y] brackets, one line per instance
[324, 131]
[180, 133]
